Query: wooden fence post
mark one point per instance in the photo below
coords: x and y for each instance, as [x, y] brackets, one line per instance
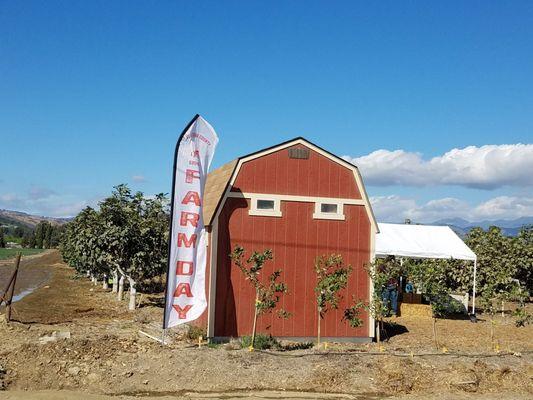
[11, 289]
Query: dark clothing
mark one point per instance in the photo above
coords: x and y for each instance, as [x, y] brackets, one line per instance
[390, 293]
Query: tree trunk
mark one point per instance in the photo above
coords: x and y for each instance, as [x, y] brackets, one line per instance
[105, 285]
[88, 273]
[503, 309]
[255, 322]
[378, 333]
[120, 288]
[133, 293]
[435, 333]
[115, 281]
[318, 329]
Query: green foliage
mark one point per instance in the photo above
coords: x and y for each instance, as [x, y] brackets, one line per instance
[332, 276]
[431, 277]
[195, 332]
[380, 272]
[2, 238]
[47, 236]
[523, 256]
[523, 317]
[501, 261]
[262, 342]
[352, 313]
[497, 263]
[6, 254]
[128, 233]
[267, 294]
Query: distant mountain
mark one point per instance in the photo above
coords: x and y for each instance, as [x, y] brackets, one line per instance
[508, 227]
[24, 220]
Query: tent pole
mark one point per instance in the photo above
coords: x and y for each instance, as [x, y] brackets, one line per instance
[474, 291]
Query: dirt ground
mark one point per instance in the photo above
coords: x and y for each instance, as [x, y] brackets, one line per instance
[73, 340]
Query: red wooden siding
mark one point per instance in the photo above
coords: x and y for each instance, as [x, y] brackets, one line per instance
[276, 173]
[296, 239]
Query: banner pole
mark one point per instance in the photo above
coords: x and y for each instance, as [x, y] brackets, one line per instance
[175, 163]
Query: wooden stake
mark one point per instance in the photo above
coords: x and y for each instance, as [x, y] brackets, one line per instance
[3, 296]
[318, 329]
[255, 322]
[11, 290]
[435, 333]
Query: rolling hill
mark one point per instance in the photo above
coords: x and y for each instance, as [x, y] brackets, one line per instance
[508, 227]
[26, 221]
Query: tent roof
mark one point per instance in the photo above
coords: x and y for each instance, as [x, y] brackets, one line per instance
[421, 241]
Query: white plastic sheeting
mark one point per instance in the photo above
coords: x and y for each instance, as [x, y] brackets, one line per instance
[424, 241]
[421, 241]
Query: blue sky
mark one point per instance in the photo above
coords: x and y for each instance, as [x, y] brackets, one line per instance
[93, 94]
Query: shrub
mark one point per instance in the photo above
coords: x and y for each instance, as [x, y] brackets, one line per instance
[195, 332]
[262, 342]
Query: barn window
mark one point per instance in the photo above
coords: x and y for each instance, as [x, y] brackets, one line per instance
[262, 206]
[329, 211]
[328, 208]
[265, 204]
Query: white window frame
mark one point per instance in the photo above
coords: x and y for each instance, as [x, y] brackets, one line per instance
[276, 212]
[339, 215]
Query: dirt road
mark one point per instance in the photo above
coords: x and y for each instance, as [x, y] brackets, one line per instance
[249, 395]
[75, 340]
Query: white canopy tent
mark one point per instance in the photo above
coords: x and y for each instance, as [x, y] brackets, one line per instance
[424, 241]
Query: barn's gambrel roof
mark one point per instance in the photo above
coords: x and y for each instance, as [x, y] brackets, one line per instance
[219, 181]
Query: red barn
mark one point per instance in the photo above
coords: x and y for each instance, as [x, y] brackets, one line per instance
[302, 202]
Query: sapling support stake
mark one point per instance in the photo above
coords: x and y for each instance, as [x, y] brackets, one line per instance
[255, 322]
[435, 332]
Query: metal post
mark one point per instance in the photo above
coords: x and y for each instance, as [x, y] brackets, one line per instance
[474, 289]
[11, 290]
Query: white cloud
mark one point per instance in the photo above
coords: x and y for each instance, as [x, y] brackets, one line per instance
[505, 207]
[38, 192]
[485, 167]
[51, 205]
[9, 198]
[138, 178]
[396, 209]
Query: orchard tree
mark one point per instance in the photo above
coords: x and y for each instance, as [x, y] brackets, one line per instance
[381, 271]
[332, 277]
[495, 259]
[523, 248]
[136, 237]
[267, 295]
[430, 276]
[87, 245]
[128, 236]
[2, 238]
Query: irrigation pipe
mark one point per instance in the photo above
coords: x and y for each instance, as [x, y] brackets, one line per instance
[408, 355]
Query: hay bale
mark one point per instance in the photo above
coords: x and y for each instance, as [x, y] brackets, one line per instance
[415, 310]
